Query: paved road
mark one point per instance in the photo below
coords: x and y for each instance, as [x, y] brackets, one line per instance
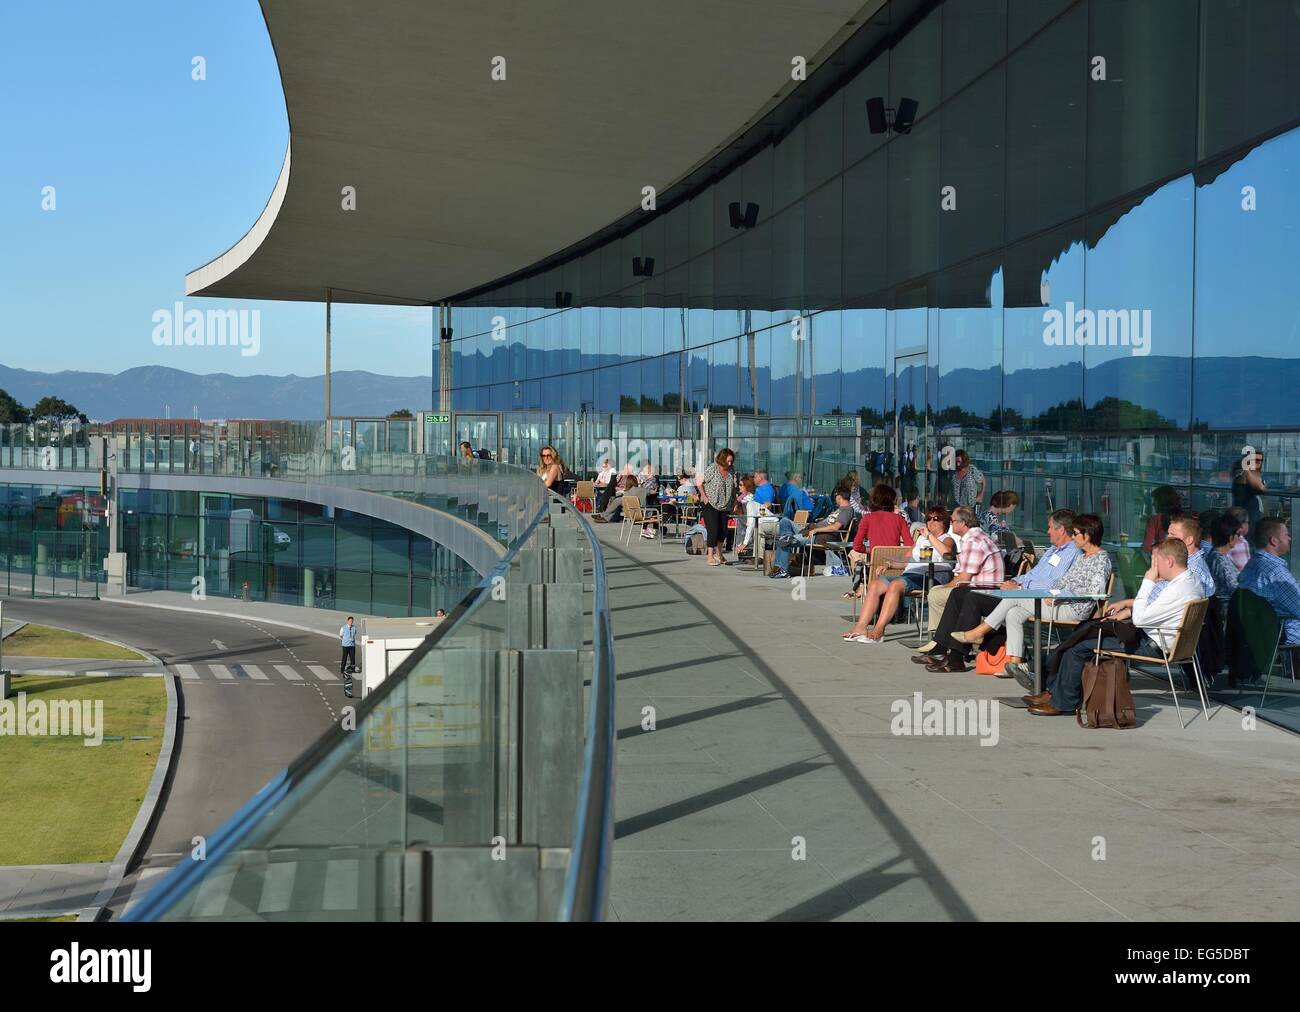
[251, 700]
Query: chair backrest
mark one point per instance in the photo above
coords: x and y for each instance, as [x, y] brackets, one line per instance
[632, 508]
[1189, 631]
[1025, 566]
[586, 490]
[916, 530]
[1110, 589]
[1253, 631]
[882, 554]
[800, 517]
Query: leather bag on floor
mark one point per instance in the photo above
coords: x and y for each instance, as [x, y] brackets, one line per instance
[1107, 701]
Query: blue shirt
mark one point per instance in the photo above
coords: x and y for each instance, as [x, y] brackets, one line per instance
[792, 491]
[1045, 576]
[1270, 578]
[765, 493]
[348, 635]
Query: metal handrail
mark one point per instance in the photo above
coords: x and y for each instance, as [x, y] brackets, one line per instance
[587, 881]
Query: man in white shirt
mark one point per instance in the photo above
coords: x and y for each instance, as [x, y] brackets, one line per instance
[1157, 616]
[604, 485]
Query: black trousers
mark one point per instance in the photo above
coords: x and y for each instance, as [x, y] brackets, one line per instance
[349, 659]
[965, 610]
[715, 523]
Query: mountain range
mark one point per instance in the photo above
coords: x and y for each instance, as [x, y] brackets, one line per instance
[150, 391]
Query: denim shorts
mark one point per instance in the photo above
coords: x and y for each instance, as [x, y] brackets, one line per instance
[916, 580]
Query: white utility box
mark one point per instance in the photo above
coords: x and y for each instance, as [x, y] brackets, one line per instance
[386, 642]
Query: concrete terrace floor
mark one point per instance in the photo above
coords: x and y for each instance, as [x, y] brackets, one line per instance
[769, 727]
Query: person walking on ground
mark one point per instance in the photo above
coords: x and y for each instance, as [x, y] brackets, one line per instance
[718, 487]
[348, 662]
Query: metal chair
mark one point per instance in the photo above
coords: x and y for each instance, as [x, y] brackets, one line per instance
[586, 490]
[1181, 651]
[635, 515]
[1260, 634]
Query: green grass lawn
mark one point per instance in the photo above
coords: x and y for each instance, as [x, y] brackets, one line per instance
[64, 803]
[43, 641]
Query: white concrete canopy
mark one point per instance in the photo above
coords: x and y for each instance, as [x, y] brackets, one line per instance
[461, 179]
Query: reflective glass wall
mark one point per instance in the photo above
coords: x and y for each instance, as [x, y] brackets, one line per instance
[53, 540]
[1073, 262]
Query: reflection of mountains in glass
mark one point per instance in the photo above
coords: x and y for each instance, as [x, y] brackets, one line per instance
[1126, 392]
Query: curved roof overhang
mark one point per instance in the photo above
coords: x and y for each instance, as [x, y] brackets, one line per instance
[459, 178]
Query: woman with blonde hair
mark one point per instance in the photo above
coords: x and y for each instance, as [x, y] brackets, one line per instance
[551, 469]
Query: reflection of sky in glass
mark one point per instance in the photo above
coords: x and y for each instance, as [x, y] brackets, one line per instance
[1247, 326]
[1247, 302]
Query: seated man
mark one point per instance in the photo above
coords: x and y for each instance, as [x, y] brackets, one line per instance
[787, 537]
[764, 490]
[1186, 528]
[793, 496]
[1268, 575]
[1157, 621]
[604, 486]
[979, 560]
[966, 608]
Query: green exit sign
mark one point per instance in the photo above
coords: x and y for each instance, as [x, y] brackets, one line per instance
[844, 422]
[439, 418]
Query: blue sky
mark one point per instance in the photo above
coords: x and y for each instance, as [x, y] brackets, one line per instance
[155, 174]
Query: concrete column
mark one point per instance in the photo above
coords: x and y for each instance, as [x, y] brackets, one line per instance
[308, 588]
[42, 559]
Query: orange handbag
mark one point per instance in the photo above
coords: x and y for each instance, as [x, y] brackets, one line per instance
[991, 664]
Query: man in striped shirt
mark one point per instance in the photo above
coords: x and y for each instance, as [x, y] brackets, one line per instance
[979, 561]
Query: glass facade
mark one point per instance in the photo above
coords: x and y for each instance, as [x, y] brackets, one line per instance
[53, 541]
[1072, 265]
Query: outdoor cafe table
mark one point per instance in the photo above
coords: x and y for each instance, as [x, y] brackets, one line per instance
[1037, 597]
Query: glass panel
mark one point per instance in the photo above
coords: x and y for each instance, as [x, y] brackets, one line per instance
[1139, 290]
[974, 38]
[914, 202]
[974, 166]
[1141, 117]
[1247, 303]
[1047, 126]
[1250, 77]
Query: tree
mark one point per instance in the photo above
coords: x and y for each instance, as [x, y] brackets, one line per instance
[56, 409]
[402, 413]
[11, 410]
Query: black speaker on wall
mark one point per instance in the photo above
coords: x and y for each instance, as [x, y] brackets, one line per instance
[876, 122]
[747, 218]
[563, 300]
[643, 267]
[906, 116]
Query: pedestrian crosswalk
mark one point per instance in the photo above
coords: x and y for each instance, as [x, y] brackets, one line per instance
[239, 672]
[336, 883]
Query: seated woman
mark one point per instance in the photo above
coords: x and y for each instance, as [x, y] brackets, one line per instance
[880, 525]
[748, 507]
[1001, 506]
[1224, 536]
[1088, 574]
[887, 590]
